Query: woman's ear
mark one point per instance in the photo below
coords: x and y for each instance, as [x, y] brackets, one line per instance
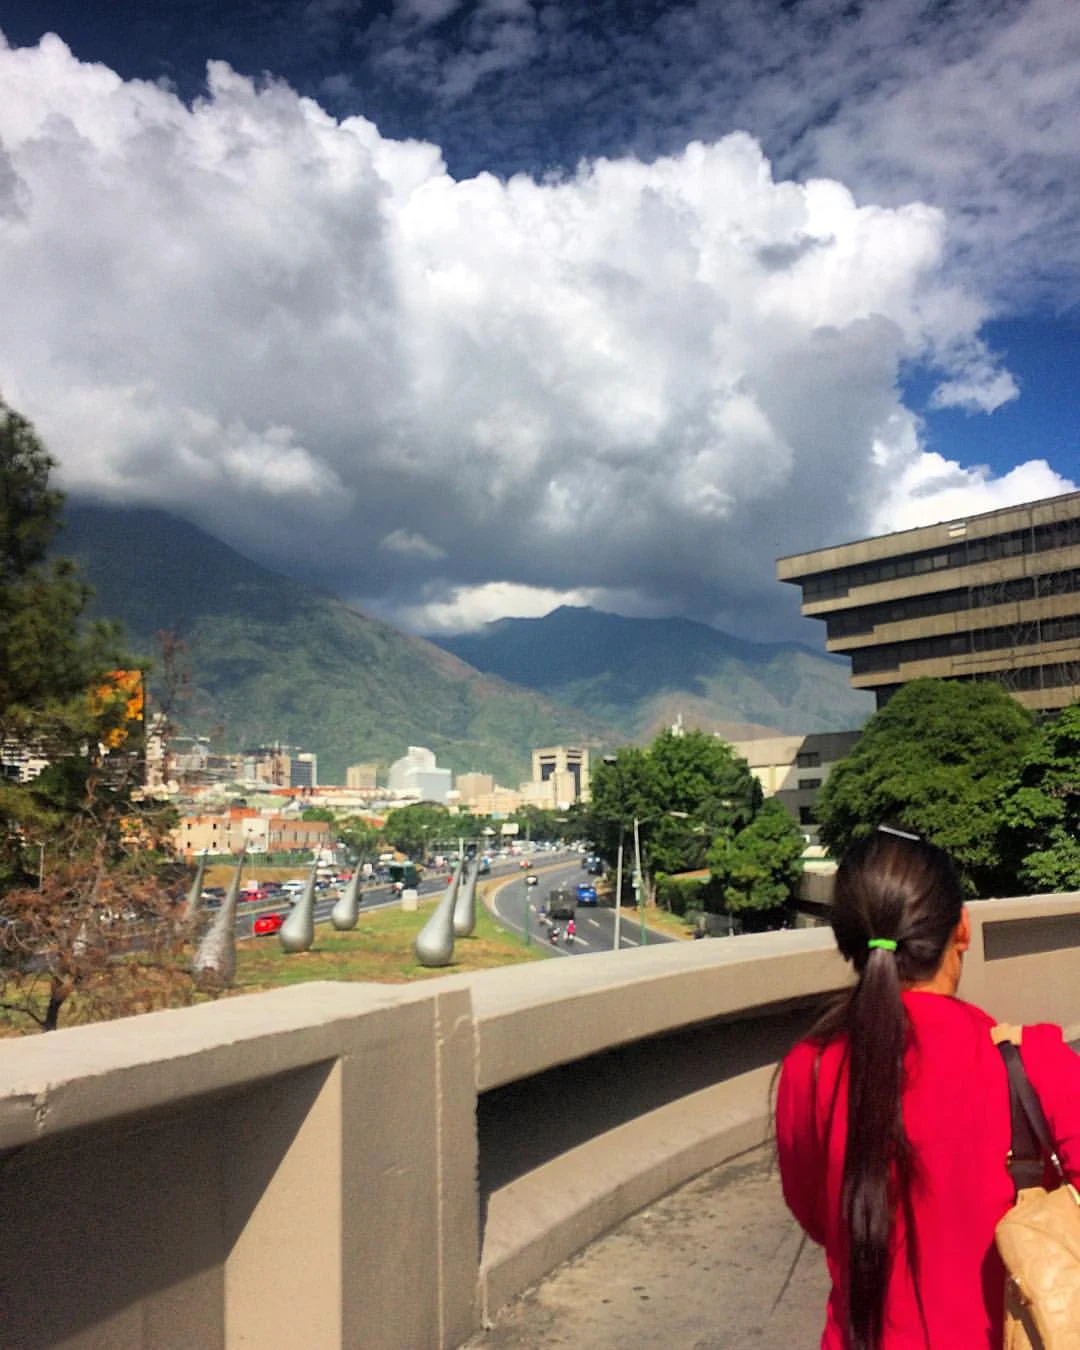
[962, 932]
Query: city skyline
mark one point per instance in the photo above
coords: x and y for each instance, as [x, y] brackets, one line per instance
[466, 310]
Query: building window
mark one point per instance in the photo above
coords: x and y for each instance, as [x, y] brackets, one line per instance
[806, 815]
[808, 759]
[809, 782]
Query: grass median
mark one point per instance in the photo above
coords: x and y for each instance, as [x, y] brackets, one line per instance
[379, 948]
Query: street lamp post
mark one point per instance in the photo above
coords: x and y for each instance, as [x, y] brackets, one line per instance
[618, 894]
[639, 873]
[639, 882]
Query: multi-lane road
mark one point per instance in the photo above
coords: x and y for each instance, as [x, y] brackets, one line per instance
[595, 927]
[516, 904]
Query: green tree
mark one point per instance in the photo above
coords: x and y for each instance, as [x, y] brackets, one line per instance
[319, 813]
[410, 829]
[360, 836]
[56, 697]
[684, 791]
[934, 758]
[760, 868]
[1040, 808]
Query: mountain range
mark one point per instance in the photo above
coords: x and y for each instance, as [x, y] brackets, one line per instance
[639, 675]
[272, 659]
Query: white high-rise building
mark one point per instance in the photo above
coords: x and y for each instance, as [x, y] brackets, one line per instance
[417, 775]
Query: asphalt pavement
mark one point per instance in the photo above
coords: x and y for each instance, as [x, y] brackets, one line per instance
[516, 904]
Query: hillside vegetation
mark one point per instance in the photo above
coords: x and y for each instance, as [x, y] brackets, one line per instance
[273, 659]
[636, 674]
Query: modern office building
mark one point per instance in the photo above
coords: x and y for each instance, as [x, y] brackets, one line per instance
[418, 776]
[561, 772]
[361, 775]
[793, 768]
[992, 597]
[472, 786]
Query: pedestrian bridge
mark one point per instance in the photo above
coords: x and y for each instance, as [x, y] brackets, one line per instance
[383, 1167]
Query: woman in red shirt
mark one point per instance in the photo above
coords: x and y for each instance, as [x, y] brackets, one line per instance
[892, 1117]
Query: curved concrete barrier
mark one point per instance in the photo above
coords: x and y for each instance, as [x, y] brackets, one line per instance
[416, 1154]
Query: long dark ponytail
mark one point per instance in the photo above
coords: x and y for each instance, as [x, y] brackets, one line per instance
[891, 888]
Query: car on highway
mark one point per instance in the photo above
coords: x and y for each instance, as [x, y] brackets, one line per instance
[586, 893]
[532, 879]
[266, 924]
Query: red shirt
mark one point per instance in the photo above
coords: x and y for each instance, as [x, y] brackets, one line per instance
[956, 1113]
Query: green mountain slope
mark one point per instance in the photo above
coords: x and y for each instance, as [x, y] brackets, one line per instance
[274, 660]
[637, 674]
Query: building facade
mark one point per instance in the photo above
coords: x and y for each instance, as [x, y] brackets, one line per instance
[361, 775]
[560, 776]
[793, 769]
[243, 829]
[417, 775]
[992, 597]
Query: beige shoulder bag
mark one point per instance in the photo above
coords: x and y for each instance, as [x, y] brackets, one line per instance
[1039, 1237]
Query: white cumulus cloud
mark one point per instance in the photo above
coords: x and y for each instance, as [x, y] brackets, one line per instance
[646, 380]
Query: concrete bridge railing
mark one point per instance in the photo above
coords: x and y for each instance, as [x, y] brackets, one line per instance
[370, 1166]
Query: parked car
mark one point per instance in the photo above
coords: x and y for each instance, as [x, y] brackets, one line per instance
[267, 923]
[586, 893]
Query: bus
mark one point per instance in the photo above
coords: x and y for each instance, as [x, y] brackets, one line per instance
[404, 875]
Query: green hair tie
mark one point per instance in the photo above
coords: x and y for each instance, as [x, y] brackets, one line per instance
[886, 944]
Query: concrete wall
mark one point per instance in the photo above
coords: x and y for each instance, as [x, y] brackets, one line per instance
[366, 1166]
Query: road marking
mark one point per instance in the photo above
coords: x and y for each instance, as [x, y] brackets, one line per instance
[631, 942]
[595, 922]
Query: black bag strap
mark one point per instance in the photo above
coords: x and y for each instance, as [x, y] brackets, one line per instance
[1032, 1142]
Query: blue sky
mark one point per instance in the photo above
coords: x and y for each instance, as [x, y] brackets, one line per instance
[465, 308]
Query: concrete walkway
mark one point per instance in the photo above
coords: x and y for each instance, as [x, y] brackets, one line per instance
[700, 1269]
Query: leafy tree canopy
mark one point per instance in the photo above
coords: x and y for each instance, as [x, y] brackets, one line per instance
[360, 836]
[683, 790]
[935, 758]
[761, 867]
[414, 829]
[1040, 808]
[58, 696]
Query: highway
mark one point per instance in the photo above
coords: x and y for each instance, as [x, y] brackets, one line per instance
[595, 927]
[377, 896]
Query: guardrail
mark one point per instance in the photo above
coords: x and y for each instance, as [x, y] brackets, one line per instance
[381, 1167]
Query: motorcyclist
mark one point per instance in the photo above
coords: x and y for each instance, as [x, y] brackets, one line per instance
[571, 930]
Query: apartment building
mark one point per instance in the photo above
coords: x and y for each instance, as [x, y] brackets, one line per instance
[243, 829]
[995, 596]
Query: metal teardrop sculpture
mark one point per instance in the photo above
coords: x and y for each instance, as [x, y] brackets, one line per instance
[194, 895]
[465, 904]
[297, 933]
[347, 910]
[215, 961]
[434, 945]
